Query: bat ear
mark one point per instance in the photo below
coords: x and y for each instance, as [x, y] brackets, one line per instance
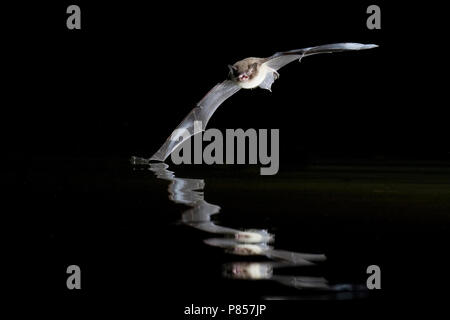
[232, 69]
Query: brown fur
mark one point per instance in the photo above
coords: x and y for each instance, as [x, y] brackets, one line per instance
[249, 65]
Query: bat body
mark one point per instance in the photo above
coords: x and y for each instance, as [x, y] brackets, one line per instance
[248, 73]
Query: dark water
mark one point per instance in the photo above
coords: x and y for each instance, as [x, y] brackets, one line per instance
[228, 235]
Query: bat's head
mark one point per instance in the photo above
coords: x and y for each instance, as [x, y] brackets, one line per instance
[243, 70]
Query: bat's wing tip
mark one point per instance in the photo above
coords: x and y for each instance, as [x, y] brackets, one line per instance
[370, 46]
[137, 161]
[356, 46]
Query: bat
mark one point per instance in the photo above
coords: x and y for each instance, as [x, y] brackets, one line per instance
[248, 73]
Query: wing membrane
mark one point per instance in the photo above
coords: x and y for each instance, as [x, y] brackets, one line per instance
[202, 113]
[280, 59]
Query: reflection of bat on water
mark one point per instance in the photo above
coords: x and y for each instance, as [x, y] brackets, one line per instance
[248, 73]
[262, 249]
[264, 271]
[190, 192]
[267, 271]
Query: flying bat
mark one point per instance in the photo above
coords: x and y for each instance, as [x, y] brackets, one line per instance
[248, 73]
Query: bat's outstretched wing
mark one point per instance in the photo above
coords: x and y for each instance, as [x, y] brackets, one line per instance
[280, 59]
[200, 114]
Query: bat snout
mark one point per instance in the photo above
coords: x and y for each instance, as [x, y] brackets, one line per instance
[243, 77]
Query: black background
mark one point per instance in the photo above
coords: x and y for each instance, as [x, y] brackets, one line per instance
[91, 98]
[131, 74]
